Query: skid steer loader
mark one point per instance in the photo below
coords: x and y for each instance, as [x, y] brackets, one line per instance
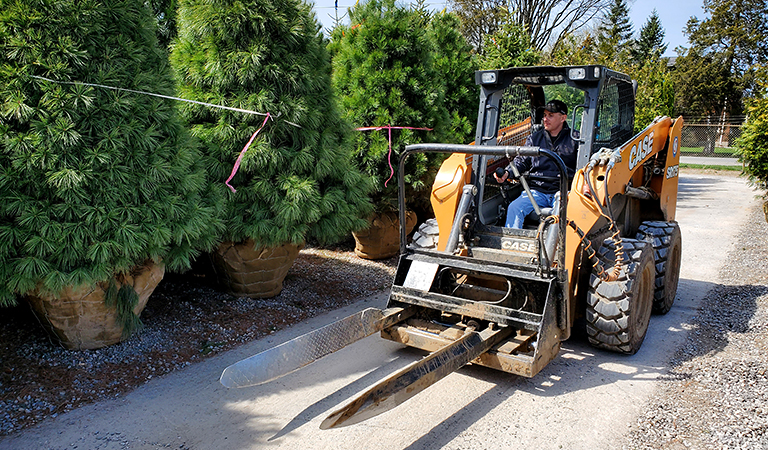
[608, 250]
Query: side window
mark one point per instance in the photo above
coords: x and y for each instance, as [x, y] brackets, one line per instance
[515, 118]
[615, 115]
[572, 97]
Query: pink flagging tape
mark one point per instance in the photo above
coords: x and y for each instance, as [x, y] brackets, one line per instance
[242, 153]
[389, 136]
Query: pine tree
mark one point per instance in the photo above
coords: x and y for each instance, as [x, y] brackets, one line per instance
[456, 64]
[297, 180]
[92, 181]
[384, 74]
[165, 14]
[651, 41]
[509, 46]
[614, 35]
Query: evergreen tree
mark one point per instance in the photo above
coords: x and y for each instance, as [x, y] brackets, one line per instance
[655, 91]
[384, 74]
[297, 180]
[574, 50]
[165, 14]
[92, 181]
[718, 70]
[651, 40]
[614, 34]
[509, 46]
[456, 64]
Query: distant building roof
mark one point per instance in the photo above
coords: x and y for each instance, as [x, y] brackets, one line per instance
[671, 61]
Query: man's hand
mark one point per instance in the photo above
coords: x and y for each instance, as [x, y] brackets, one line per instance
[501, 175]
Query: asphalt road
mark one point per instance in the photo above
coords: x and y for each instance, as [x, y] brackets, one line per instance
[585, 398]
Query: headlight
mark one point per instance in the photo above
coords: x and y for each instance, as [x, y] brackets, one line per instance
[577, 73]
[488, 77]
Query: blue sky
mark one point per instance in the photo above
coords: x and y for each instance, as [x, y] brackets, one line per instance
[674, 15]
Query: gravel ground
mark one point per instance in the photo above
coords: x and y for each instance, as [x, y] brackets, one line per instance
[185, 320]
[716, 394]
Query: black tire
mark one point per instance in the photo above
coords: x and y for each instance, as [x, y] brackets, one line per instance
[667, 243]
[427, 235]
[618, 312]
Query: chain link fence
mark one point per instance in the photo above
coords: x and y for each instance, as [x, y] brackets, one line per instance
[711, 135]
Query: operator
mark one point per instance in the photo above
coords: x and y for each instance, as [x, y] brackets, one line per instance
[555, 136]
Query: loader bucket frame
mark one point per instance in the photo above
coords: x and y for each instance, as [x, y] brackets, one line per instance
[536, 339]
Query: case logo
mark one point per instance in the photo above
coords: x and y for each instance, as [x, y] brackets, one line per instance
[518, 245]
[640, 151]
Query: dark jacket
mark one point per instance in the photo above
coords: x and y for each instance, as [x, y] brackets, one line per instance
[542, 166]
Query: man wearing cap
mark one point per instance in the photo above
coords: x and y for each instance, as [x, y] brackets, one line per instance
[555, 136]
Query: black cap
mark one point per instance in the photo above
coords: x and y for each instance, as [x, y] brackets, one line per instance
[557, 106]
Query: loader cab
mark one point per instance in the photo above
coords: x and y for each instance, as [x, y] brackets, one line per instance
[601, 105]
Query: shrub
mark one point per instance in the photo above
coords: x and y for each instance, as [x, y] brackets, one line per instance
[92, 181]
[753, 142]
[384, 75]
[297, 179]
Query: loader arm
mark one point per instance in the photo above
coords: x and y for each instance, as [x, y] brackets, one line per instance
[656, 146]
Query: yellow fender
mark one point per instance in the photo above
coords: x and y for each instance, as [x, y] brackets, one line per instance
[455, 172]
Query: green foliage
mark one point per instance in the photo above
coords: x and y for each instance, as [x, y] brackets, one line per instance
[295, 181]
[655, 91]
[92, 181]
[650, 44]
[165, 14]
[614, 34]
[384, 74]
[574, 50]
[509, 46]
[753, 142]
[478, 19]
[124, 300]
[547, 22]
[456, 63]
[718, 70]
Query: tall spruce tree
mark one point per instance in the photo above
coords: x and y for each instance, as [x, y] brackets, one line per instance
[614, 35]
[651, 40]
[297, 180]
[384, 74]
[92, 181]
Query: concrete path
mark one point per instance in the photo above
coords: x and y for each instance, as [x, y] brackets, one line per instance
[584, 399]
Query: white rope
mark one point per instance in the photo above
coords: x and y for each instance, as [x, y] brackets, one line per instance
[245, 111]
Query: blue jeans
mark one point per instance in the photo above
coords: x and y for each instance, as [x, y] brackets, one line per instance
[522, 206]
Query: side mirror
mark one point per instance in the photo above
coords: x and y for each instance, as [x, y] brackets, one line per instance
[576, 135]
